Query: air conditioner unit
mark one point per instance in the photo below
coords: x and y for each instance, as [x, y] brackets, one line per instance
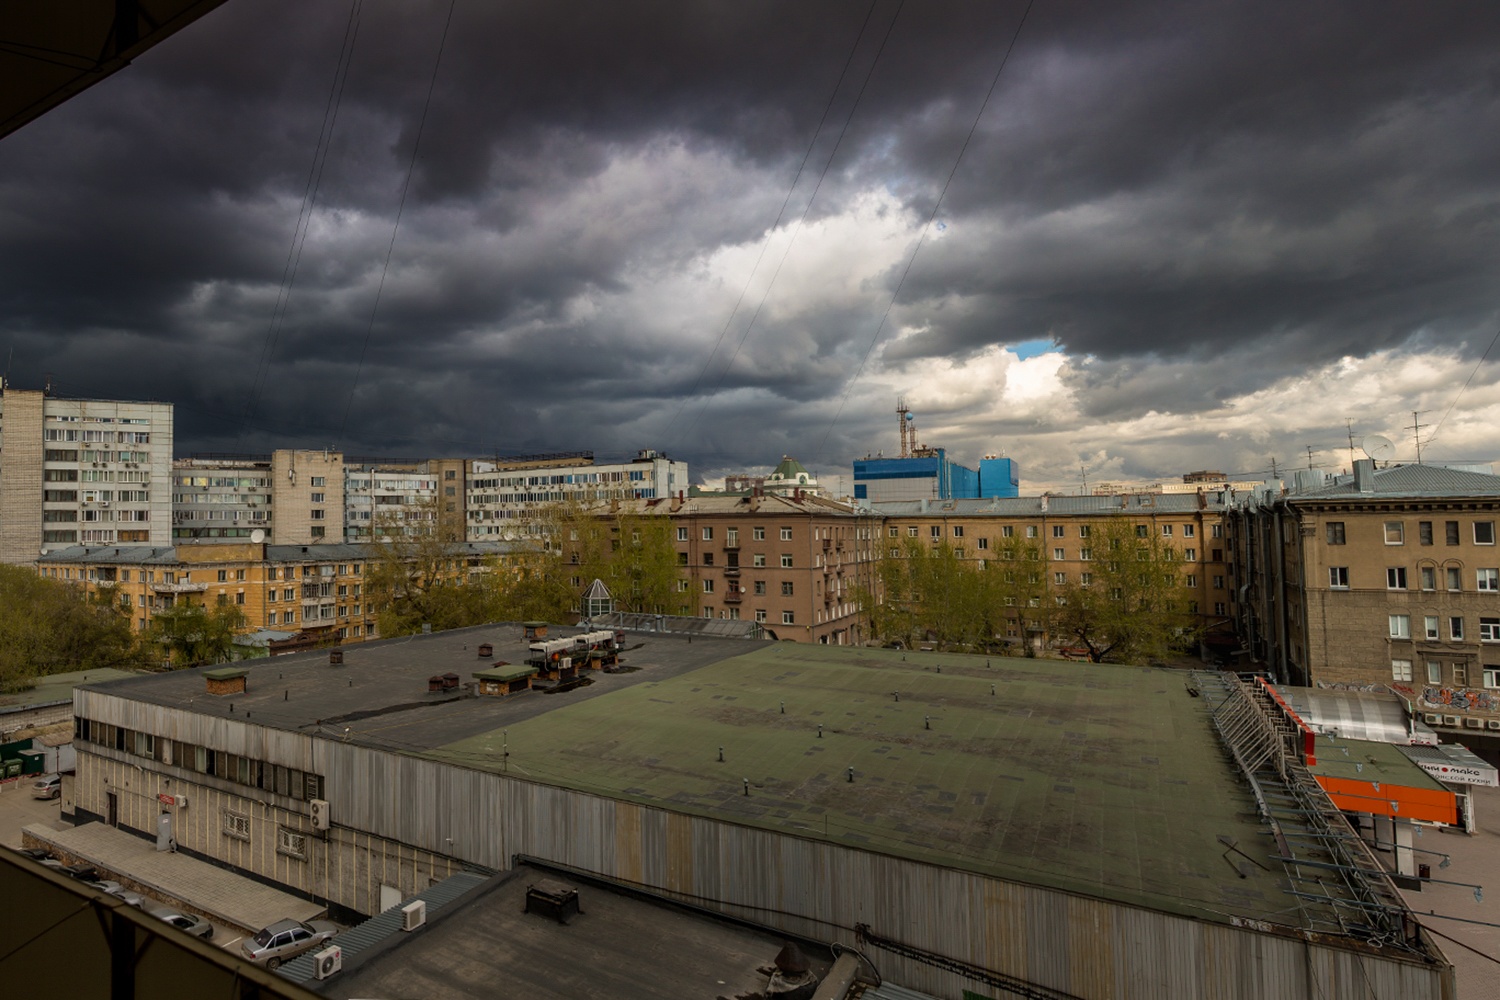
[1451, 720]
[1492, 724]
[104, 503]
[1474, 723]
[1432, 719]
[181, 801]
[319, 814]
[413, 915]
[328, 961]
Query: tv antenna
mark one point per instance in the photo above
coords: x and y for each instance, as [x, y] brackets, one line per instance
[1416, 432]
[1378, 447]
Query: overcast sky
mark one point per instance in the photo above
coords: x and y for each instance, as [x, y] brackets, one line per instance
[1182, 236]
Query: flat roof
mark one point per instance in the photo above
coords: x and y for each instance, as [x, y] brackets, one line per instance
[379, 693]
[1369, 760]
[619, 945]
[54, 689]
[1100, 779]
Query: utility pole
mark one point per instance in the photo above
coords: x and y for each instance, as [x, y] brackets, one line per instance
[1309, 458]
[1349, 424]
[1416, 432]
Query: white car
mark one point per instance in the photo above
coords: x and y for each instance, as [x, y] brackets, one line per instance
[48, 786]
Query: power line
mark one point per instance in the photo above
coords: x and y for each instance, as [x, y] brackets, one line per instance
[770, 233]
[922, 237]
[797, 229]
[396, 228]
[304, 214]
[1433, 436]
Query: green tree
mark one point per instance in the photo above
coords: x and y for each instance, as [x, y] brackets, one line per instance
[932, 593]
[48, 626]
[1135, 606]
[190, 634]
[634, 554]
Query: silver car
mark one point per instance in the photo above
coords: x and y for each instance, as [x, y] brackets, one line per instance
[185, 922]
[286, 939]
[48, 786]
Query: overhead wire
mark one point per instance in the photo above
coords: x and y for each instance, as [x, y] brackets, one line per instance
[305, 212]
[396, 227]
[797, 227]
[922, 236]
[1433, 436]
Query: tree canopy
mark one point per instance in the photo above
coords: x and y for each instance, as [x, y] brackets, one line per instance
[48, 627]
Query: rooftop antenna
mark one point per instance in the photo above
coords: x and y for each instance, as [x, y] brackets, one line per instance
[1309, 458]
[1085, 474]
[903, 417]
[1378, 447]
[1349, 426]
[1273, 467]
[1416, 432]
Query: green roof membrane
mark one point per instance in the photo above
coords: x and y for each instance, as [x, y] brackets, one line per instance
[1105, 780]
[1369, 760]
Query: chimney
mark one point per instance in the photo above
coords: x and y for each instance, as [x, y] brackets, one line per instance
[1045, 501]
[335, 657]
[1364, 475]
[486, 650]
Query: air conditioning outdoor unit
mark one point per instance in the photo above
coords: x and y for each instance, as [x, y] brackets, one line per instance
[1493, 724]
[1450, 720]
[319, 814]
[1474, 723]
[413, 915]
[1432, 719]
[328, 961]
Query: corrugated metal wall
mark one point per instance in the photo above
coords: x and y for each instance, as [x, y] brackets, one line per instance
[1085, 946]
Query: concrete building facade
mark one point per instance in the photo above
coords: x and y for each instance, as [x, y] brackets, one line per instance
[1387, 578]
[381, 500]
[82, 471]
[501, 500]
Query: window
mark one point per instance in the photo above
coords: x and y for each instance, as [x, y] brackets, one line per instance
[1166, 531]
[1456, 628]
[760, 616]
[291, 843]
[236, 825]
[786, 588]
[1395, 578]
[1484, 532]
[1424, 532]
[1140, 531]
[758, 559]
[1455, 581]
[1031, 531]
[1219, 581]
[1487, 580]
[1058, 530]
[708, 586]
[1429, 578]
[893, 531]
[788, 618]
[1007, 530]
[1058, 554]
[786, 561]
[682, 534]
[318, 498]
[1190, 555]
[1450, 532]
[708, 534]
[1188, 531]
[223, 575]
[1085, 555]
[1460, 675]
[1191, 580]
[1338, 577]
[958, 531]
[1401, 670]
[1492, 678]
[1334, 532]
[682, 559]
[911, 531]
[1430, 627]
[1395, 533]
[682, 585]
[239, 598]
[1400, 626]
[1219, 608]
[1060, 579]
[984, 543]
[1434, 672]
[318, 481]
[1192, 607]
[1489, 630]
[1083, 531]
[759, 534]
[760, 588]
[786, 534]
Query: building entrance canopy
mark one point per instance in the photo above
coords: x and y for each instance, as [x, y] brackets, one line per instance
[1356, 715]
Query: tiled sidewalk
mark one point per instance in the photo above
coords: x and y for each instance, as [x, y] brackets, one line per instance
[220, 895]
[1476, 859]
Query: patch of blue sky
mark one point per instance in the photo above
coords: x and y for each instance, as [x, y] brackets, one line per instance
[1033, 348]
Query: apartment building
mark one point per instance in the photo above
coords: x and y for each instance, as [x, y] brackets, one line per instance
[790, 563]
[1062, 529]
[82, 471]
[1386, 577]
[382, 500]
[222, 498]
[502, 499]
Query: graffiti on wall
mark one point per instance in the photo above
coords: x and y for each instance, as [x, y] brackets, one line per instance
[1460, 699]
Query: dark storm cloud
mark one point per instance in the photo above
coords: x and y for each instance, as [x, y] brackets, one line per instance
[1200, 199]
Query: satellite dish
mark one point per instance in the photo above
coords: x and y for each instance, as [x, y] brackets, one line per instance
[257, 536]
[1378, 447]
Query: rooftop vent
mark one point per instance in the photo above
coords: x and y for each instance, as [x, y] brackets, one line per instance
[486, 650]
[553, 899]
[435, 682]
[450, 682]
[226, 680]
[336, 657]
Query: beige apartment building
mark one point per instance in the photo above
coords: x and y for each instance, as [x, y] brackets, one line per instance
[1064, 529]
[82, 471]
[1385, 578]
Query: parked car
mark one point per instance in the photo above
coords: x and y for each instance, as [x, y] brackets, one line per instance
[286, 939]
[186, 922]
[48, 786]
[134, 899]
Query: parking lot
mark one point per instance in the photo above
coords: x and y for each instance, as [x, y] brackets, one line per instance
[19, 809]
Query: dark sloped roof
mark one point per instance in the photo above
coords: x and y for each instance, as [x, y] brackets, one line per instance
[1417, 481]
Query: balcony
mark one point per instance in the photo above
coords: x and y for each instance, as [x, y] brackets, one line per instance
[179, 588]
[732, 543]
[734, 596]
[731, 571]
